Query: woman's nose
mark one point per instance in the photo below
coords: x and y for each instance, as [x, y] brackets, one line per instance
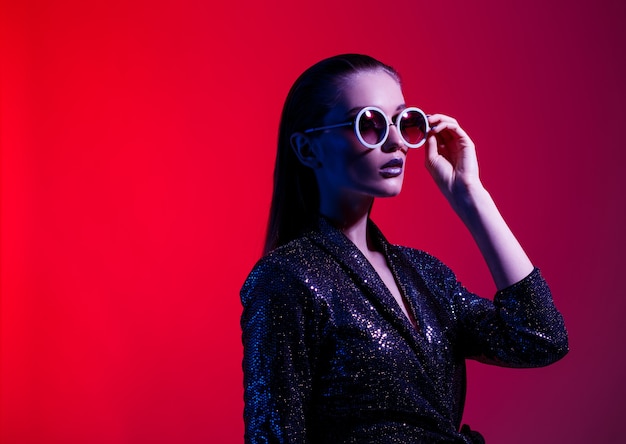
[394, 142]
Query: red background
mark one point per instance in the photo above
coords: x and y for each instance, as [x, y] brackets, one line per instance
[137, 147]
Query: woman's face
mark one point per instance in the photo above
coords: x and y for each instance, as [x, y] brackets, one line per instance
[349, 170]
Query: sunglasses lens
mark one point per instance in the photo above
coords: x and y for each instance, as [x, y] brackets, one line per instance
[372, 126]
[413, 126]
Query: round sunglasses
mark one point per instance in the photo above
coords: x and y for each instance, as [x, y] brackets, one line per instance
[371, 126]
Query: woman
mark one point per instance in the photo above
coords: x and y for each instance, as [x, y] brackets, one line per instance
[347, 338]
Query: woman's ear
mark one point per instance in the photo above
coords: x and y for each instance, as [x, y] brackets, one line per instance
[306, 150]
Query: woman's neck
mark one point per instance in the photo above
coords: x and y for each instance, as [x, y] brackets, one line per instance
[352, 221]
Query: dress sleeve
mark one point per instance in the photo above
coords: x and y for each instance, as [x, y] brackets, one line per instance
[277, 340]
[520, 328]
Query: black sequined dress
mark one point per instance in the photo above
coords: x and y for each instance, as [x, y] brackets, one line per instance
[330, 358]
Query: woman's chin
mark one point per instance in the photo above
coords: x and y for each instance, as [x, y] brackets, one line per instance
[389, 191]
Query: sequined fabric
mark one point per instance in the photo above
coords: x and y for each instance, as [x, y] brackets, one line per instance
[329, 357]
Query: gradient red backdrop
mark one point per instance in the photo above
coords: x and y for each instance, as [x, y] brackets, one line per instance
[137, 147]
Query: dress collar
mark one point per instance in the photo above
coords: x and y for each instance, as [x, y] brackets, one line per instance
[354, 262]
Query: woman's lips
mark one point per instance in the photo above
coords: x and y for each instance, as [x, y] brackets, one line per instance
[393, 168]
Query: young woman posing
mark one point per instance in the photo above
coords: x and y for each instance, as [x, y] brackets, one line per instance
[347, 338]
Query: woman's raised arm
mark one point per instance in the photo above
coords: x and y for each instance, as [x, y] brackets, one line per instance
[451, 160]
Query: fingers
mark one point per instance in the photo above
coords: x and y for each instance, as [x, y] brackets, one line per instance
[450, 137]
[431, 149]
[443, 130]
[446, 126]
[447, 142]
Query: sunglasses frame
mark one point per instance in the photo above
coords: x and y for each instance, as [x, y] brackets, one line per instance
[354, 121]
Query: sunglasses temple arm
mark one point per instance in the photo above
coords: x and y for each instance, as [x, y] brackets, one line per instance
[322, 128]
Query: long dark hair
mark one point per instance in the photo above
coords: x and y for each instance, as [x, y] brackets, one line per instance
[295, 200]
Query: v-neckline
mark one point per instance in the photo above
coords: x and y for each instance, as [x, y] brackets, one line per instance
[364, 272]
